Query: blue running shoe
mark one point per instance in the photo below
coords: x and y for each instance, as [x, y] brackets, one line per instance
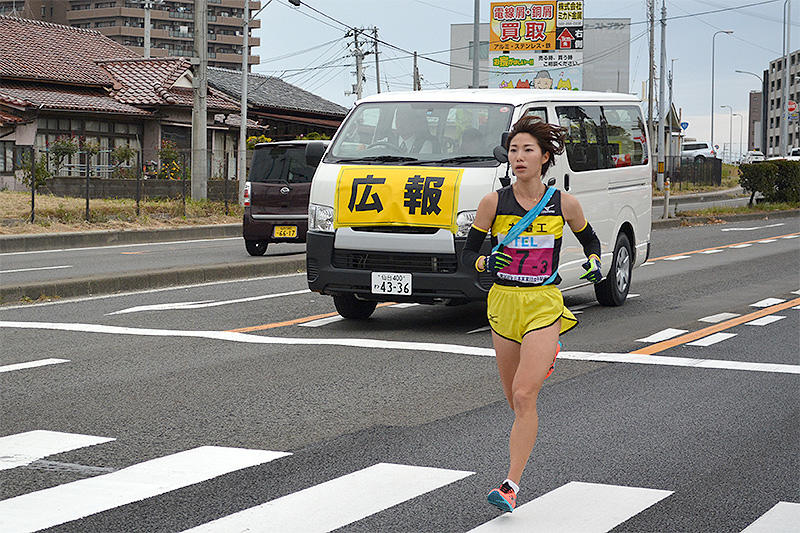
[503, 497]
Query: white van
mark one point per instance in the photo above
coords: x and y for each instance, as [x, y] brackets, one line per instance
[396, 192]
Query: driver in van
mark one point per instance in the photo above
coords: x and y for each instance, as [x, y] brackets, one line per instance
[413, 134]
[525, 308]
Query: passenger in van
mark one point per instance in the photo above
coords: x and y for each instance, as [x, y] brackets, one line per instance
[472, 142]
[413, 134]
[525, 308]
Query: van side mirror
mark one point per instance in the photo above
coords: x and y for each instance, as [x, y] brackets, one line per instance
[504, 139]
[551, 182]
[314, 152]
[501, 154]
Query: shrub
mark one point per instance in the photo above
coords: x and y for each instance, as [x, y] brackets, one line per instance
[314, 136]
[778, 180]
[64, 147]
[254, 140]
[39, 176]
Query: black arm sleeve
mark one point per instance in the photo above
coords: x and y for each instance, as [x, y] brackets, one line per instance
[588, 239]
[472, 247]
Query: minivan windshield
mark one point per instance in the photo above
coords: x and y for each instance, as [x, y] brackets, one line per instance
[421, 133]
[280, 164]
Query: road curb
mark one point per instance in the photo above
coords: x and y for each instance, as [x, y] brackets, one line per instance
[736, 192]
[691, 221]
[152, 279]
[50, 241]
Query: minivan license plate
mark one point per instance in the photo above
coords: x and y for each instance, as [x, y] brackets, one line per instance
[286, 232]
[391, 283]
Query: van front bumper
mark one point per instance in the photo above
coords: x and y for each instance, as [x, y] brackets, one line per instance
[435, 278]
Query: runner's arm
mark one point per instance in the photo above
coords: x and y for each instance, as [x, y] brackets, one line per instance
[470, 256]
[573, 214]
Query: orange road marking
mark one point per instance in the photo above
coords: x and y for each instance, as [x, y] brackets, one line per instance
[292, 322]
[694, 335]
[723, 246]
[130, 253]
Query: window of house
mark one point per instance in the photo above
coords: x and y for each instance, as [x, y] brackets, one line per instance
[6, 156]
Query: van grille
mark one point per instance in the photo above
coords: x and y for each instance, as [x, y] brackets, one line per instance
[394, 262]
[415, 230]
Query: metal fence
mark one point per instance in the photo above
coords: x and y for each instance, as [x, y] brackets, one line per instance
[706, 172]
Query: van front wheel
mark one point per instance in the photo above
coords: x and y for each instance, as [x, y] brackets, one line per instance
[351, 307]
[613, 290]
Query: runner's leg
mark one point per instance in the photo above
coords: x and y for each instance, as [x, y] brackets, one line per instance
[507, 356]
[536, 357]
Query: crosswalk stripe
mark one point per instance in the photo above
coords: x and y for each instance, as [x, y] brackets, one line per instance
[766, 302]
[663, 335]
[576, 506]
[337, 502]
[765, 320]
[782, 518]
[71, 501]
[676, 258]
[321, 321]
[24, 448]
[719, 317]
[711, 339]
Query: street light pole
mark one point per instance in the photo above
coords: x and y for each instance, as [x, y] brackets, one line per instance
[741, 127]
[760, 81]
[713, 44]
[730, 135]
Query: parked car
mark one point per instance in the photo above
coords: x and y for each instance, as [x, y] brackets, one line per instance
[697, 152]
[753, 156]
[276, 195]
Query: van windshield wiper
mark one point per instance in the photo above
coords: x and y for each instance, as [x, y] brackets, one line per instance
[460, 159]
[381, 158]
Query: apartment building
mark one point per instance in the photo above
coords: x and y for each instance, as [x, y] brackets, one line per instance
[172, 23]
[775, 109]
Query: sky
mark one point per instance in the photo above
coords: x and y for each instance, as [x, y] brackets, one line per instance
[296, 38]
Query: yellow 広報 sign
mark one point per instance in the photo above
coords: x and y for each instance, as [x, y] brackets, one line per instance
[397, 196]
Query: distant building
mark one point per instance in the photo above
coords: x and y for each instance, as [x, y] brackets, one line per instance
[754, 121]
[774, 109]
[606, 55]
[172, 22]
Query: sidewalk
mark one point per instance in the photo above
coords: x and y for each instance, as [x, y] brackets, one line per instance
[254, 267]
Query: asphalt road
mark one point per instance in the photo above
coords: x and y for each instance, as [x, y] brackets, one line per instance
[384, 435]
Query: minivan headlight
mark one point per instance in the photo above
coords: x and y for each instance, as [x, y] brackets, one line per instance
[320, 218]
[464, 221]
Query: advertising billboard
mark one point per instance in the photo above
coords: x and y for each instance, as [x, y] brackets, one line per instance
[536, 70]
[538, 25]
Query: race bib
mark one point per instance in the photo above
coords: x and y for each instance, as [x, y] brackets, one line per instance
[531, 258]
[397, 196]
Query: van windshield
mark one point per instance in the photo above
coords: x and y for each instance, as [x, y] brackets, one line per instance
[280, 164]
[422, 133]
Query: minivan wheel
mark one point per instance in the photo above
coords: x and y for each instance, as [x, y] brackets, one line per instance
[613, 290]
[699, 160]
[351, 307]
[255, 247]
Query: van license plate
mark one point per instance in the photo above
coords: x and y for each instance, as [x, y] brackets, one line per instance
[285, 232]
[391, 283]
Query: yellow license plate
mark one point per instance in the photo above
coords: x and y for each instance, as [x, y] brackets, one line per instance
[284, 232]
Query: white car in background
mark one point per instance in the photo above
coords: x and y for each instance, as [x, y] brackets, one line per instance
[697, 152]
[753, 156]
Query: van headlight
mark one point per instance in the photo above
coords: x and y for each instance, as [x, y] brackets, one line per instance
[464, 221]
[320, 218]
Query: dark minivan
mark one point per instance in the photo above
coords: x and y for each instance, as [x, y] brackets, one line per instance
[276, 195]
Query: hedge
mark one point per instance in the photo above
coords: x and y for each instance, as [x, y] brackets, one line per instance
[778, 180]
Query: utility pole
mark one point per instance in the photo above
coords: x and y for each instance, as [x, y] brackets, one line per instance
[359, 55]
[784, 107]
[417, 85]
[148, 5]
[476, 42]
[651, 17]
[662, 85]
[377, 62]
[199, 110]
[241, 162]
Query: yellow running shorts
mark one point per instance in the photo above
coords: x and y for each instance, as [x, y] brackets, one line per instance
[515, 311]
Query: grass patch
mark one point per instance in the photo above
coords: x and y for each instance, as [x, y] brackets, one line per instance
[745, 209]
[57, 213]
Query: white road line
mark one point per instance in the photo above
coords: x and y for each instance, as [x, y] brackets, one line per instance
[796, 307]
[768, 302]
[451, 349]
[753, 228]
[32, 364]
[765, 241]
[719, 317]
[204, 303]
[790, 236]
[404, 305]
[745, 245]
[338, 502]
[62, 250]
[649, 263]
[32, 269]
[796, 292]
[711, 339]
[663, 335]
[784, 517]
[321, 321]
[584, 507]
[24, 448]
[714, 251]
[64, 503]
[765, 320]
[478, 330]
[676, 258]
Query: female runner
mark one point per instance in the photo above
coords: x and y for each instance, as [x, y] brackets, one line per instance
[525, 308]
